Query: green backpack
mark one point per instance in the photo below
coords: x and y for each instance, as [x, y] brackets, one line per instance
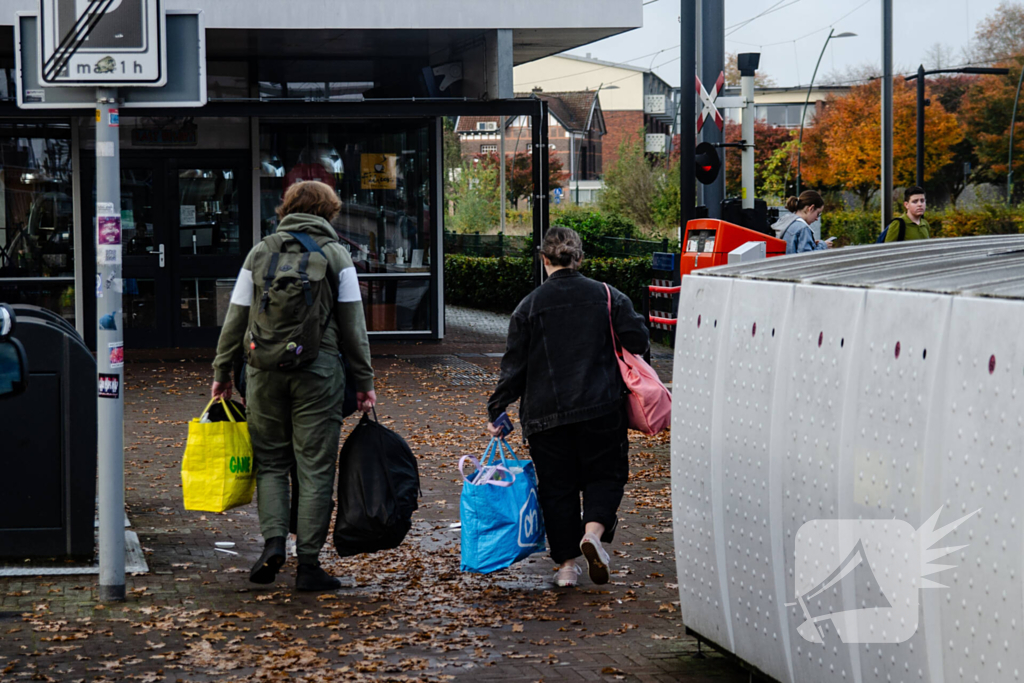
[292, 306]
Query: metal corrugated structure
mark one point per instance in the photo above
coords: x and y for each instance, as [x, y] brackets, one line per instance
[826, 406]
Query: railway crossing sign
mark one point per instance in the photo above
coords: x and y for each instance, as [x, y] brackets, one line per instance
[709, 109]
[102, 43]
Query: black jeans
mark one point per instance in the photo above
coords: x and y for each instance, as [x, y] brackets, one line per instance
[591, 458]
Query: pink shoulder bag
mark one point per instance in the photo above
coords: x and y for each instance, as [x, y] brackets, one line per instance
[649, 403]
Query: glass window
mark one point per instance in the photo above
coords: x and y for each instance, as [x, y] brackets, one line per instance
[381, 173]
[776, 114]
[208, 211]
[396, 305]
[205, 301]
[37, 213]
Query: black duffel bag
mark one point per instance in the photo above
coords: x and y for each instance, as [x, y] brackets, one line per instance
[378, 487]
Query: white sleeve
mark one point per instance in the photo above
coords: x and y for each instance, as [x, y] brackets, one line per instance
[348, 286]
[241, 295]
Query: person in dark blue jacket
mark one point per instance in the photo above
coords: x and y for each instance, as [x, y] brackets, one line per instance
[807, 208]
[560, 361]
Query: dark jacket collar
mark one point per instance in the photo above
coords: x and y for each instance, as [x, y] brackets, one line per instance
[564, 272]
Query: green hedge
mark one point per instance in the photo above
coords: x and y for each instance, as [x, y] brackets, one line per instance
[499, 284]
[592, 226]
[859, 227]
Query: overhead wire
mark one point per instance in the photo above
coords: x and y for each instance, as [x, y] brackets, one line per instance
[774, 8]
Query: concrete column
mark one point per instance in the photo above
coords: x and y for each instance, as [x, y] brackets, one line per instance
[499, 64]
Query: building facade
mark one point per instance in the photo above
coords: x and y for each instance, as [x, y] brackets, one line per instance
[622, 89]
[346, 92]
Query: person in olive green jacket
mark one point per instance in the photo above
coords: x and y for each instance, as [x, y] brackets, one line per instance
[914, 226]
[295, 415]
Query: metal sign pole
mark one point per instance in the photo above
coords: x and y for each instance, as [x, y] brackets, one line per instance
[109, 347]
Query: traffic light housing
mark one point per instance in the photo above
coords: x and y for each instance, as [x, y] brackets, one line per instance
[708, 163]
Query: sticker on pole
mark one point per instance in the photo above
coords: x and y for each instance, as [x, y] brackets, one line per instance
[102, 43]
[110, 386]
[116, 354]
[108, 230]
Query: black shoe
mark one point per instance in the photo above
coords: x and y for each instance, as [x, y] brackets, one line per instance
[265, 569]
[312, 577]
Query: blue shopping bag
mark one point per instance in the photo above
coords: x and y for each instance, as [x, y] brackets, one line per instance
[500, 513]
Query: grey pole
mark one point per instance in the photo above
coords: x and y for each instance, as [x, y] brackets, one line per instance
[747, 163]
[1013, 123]
[886, 199]
[109, 335]
[712, 61]
[687, 115]
[919, 175]
[501, 172]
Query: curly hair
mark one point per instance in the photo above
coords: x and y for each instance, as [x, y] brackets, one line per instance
[310, 196]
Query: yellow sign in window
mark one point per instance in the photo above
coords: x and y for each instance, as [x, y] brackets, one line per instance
[378, 171]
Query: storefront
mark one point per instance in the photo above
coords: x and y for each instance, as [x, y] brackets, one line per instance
[360, 110]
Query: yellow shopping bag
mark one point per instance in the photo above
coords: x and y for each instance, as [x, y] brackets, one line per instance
[217, 471]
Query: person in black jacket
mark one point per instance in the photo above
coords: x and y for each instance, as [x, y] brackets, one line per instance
[559, 359]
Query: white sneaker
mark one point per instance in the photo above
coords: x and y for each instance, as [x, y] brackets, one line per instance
[567, 576]
[597, 558]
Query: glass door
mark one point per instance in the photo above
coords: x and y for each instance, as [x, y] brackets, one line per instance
[146, 295]
[212, 233]
[186, 228]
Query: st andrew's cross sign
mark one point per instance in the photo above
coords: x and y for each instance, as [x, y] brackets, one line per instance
[709, 110]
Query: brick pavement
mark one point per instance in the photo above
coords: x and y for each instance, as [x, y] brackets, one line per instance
[407, 614]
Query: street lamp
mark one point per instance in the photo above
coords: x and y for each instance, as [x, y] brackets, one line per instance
[921, 73]
[1013, 123]
[831, 34]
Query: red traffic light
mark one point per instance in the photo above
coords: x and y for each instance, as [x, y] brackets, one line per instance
[708, 163]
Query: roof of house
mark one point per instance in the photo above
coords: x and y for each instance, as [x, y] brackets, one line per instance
[591, 60]
[571, 109]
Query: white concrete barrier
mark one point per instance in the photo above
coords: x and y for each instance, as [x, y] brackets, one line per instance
[826, 407]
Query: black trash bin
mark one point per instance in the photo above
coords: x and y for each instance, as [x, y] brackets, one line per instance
[48, 445]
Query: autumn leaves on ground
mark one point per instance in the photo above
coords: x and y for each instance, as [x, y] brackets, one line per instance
[403, 615]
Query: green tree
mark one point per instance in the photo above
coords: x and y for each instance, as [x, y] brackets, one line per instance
[519, 173]
[452, 155]
[640, 187]
[475, 195]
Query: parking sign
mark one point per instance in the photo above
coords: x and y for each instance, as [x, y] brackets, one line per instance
[102, 43]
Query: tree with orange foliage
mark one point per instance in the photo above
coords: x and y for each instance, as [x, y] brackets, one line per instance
[985, 112]
[843, 148]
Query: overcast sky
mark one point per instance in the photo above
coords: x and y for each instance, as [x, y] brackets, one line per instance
[790, 37]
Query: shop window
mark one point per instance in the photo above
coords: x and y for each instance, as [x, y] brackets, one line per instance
[37, 215]
[381, 173]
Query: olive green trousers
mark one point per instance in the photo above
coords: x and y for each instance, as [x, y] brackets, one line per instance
[295, 417]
